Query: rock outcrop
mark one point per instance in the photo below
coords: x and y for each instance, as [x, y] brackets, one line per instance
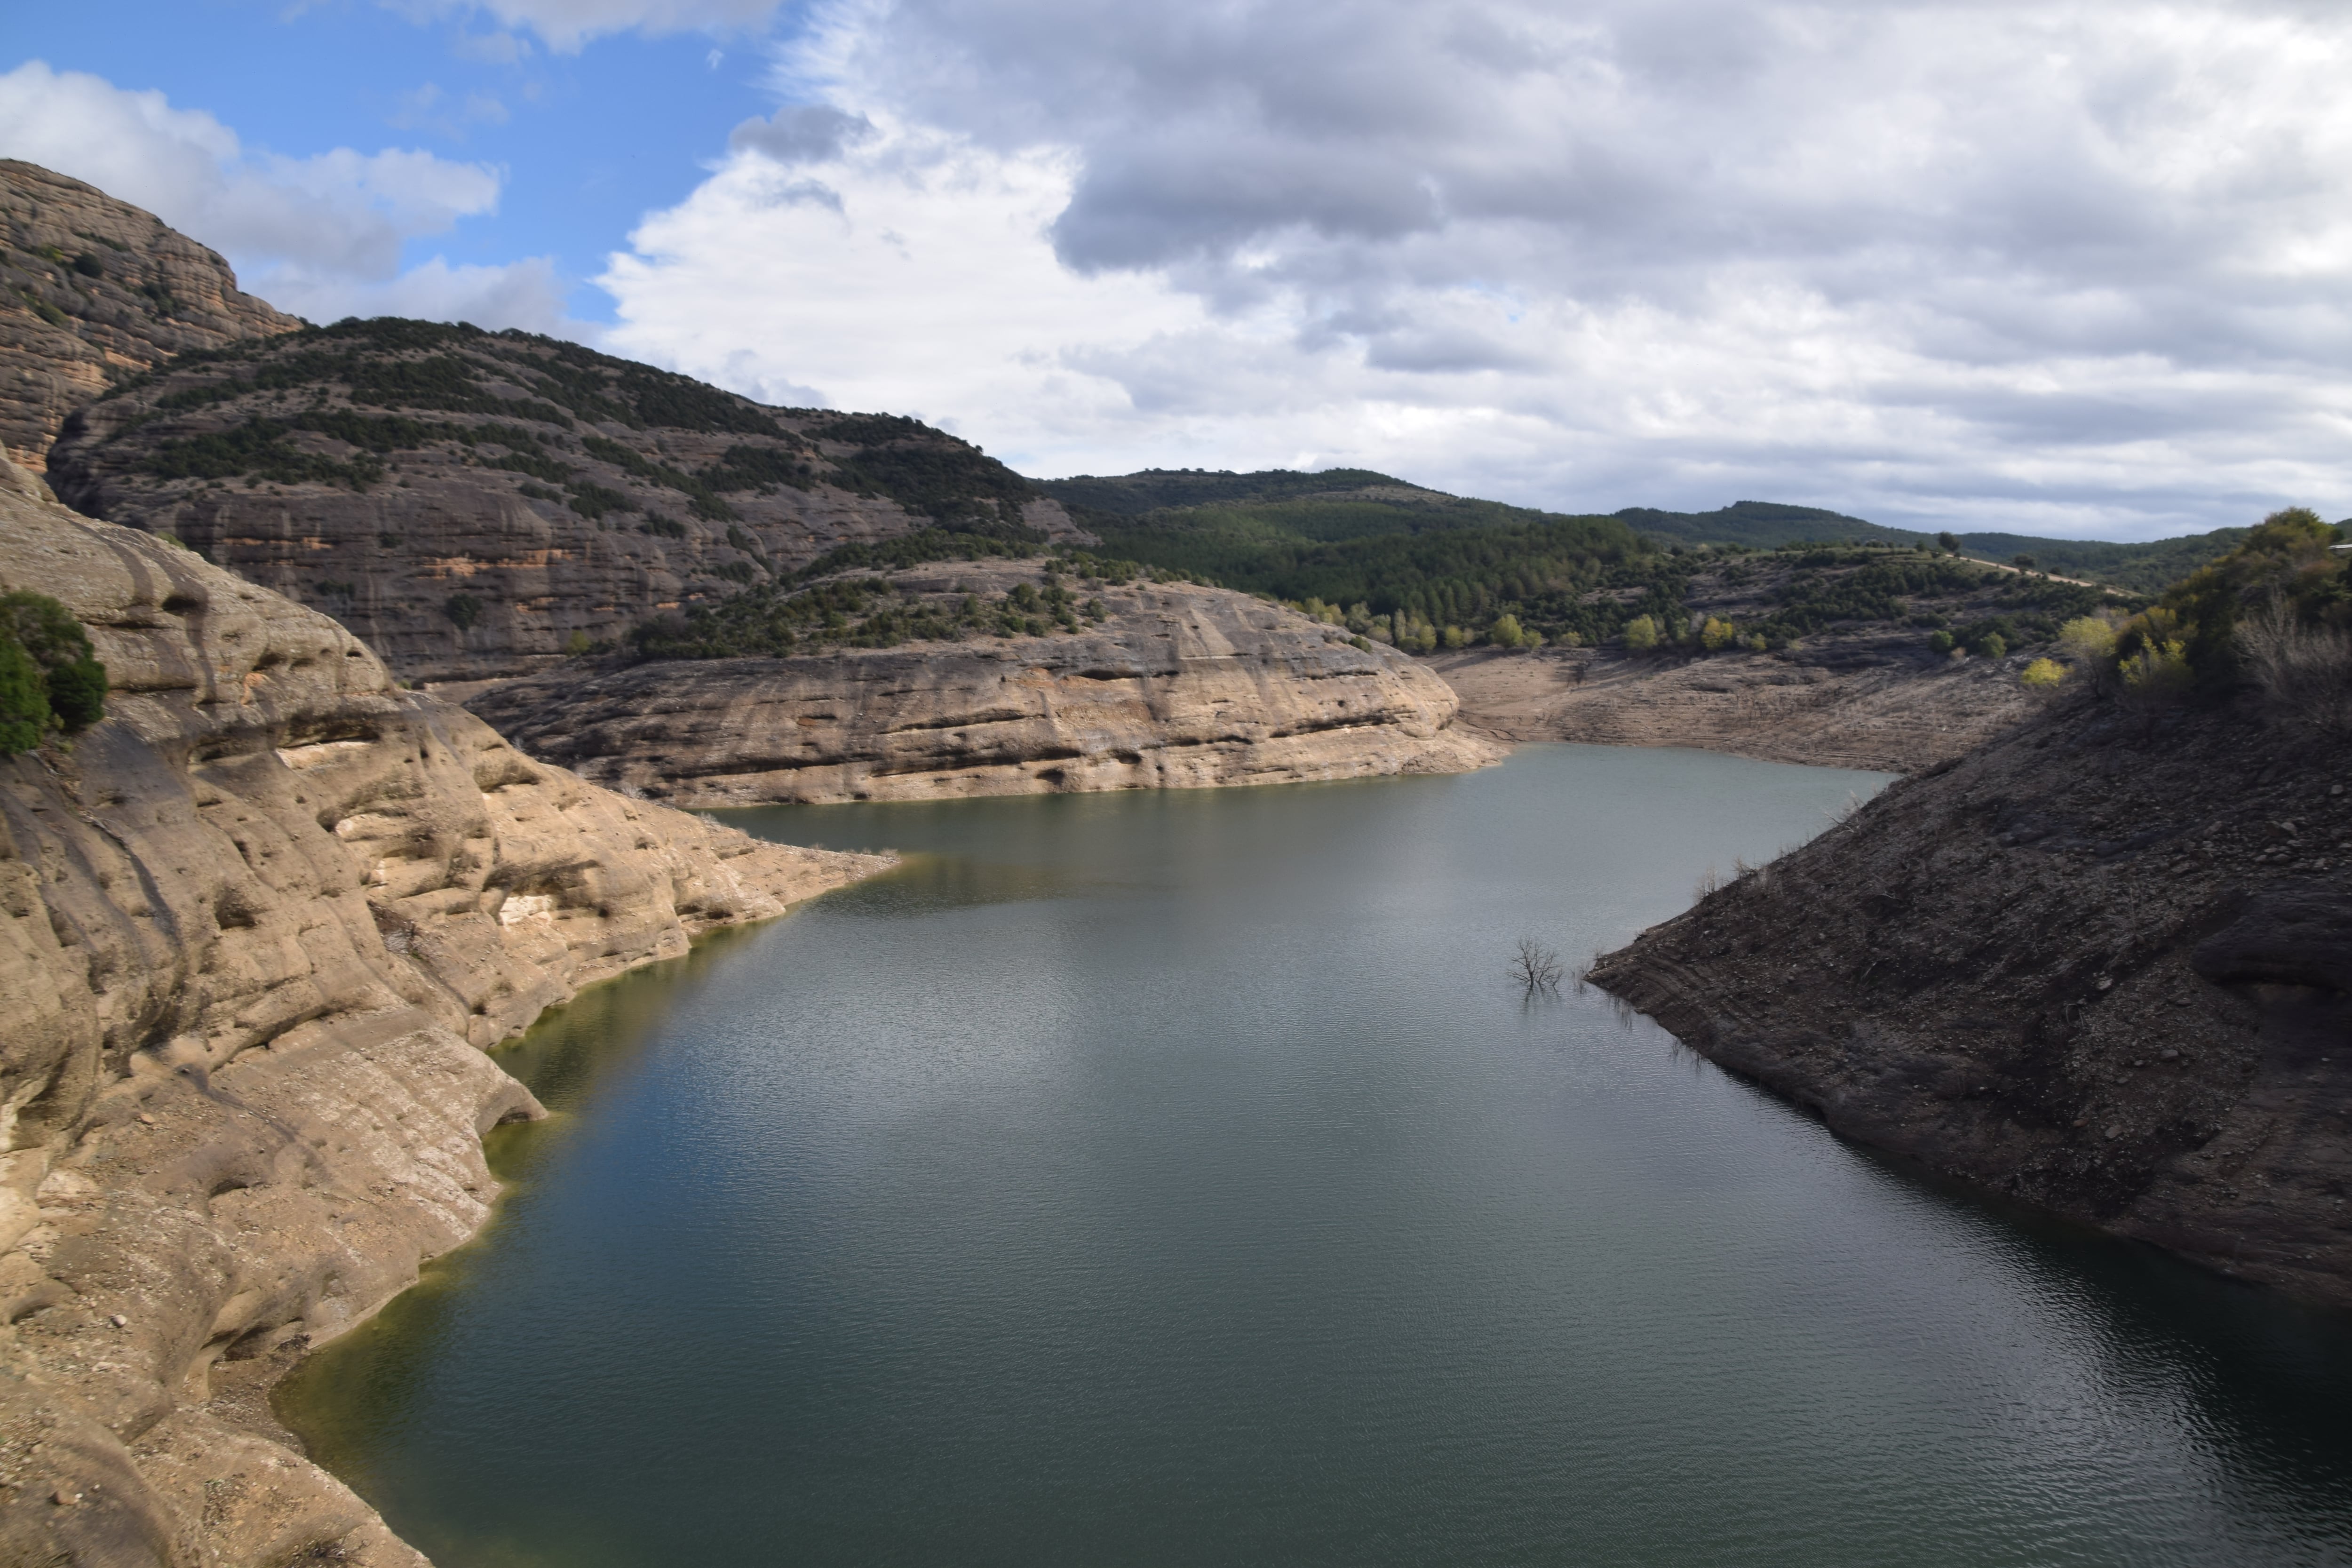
[2098, 965]
[93, 291]
[1880, 701]
[478, 504]
[1177, 686]
[256, 929]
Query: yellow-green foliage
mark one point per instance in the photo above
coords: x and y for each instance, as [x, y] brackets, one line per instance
[1641, 634]
[2043, 674]
[2285, 562]
[2158, 672]
[1505, 632]
[1716, 634]
[2088, 640]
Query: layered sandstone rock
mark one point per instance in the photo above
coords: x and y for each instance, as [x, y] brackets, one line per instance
[260, 925]
[2098, 964]
[478, 504]
[1178, 686]
[1880, 701]
[93, 291]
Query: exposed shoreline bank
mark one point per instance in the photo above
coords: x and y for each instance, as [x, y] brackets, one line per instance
[2098, 965]
[261, 925]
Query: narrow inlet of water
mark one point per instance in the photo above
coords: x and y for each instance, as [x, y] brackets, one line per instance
[1178, 1178]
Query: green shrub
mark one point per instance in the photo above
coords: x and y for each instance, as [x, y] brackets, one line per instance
[2043, 674]
[1993, 645]
[1641, 634]
[1939, 642]
[463, 610]
[1505, 632]
[24, 700]
[48, 675]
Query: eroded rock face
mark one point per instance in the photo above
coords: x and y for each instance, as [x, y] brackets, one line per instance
[2098, 964]
[1179, 687]
[94, 291]
[1882, 703]
[260, 925]
[475, 504]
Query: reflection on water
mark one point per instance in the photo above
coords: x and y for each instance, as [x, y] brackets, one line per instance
[1175, 1178]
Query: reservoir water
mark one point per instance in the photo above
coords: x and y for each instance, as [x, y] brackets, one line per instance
[1177, 1178]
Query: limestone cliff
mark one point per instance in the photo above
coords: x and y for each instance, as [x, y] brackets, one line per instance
[93, 291]
[1175, 686]
[478, 504]
[2101, 963]
[259, 924]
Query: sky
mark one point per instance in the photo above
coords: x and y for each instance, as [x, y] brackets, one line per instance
[2073, 269]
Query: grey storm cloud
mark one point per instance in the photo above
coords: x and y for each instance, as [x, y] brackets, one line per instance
[806, 133]
[1633, 146]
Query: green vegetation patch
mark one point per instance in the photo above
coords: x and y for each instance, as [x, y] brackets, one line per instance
[50, 678]
[857, 612]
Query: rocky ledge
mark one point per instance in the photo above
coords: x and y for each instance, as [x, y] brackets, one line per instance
[1174, 686]
[256, 929]
[2101, 964]
[1880, 701]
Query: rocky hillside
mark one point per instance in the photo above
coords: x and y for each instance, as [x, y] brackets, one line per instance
[1851, 673]
[990, 677]
[256, 928]
[93, 291]
[478, 504]
[2100, 964]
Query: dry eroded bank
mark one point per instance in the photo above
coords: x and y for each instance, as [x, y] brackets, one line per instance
[260, 925]
[2099, 967]
[1880, 703]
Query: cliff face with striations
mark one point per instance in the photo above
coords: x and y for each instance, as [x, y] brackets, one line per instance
[1176, 686]
[94, 291]
[2102, 965]
[256, 928]
[478, 504]
[1880, 702]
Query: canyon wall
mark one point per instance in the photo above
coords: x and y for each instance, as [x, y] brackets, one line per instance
[478, 504]
[260, 924]
[1174, 686]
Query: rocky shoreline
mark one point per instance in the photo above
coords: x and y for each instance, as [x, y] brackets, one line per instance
[263, 922]
[1174, 686]
[2100, 964]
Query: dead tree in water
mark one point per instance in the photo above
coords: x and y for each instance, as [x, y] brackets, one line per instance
[1536, 967]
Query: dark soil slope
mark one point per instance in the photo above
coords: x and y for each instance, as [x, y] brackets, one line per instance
[476, 504]
[2101, 964]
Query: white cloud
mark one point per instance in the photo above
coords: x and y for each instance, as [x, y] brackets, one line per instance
[321, 236]
[2076, 267]
[525, 294]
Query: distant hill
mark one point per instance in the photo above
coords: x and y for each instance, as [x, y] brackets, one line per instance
[2140, 568]
[1131, 495]
[1764, 525]
[2145, 568]
[1388, 558]
[1197, 519]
